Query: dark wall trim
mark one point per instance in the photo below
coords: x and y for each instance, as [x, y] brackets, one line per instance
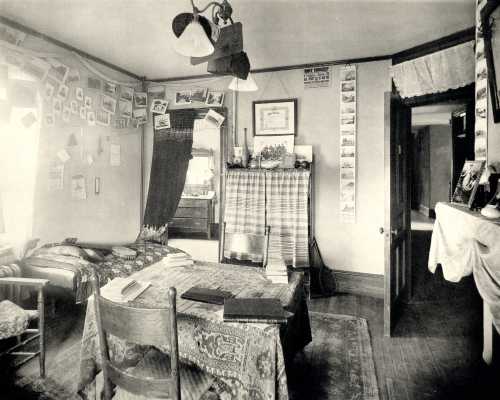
[464, 93]
[439, 44]
[282, 68]
[360, 283]
[32, 32]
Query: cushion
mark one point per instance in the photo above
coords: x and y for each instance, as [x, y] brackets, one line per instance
[13, 319]
[155, 364]
[93, 255]
[63, 250]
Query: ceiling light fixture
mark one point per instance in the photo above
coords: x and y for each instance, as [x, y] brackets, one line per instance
[243, 85]
[195, 33]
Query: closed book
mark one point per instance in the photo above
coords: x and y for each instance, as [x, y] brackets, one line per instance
[204, 295]
[262, 310]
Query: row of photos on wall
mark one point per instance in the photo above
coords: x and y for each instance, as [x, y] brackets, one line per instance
[348, 144]
[481, 126]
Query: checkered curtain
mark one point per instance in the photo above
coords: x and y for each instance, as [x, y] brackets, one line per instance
[287, 194]
[245, 202]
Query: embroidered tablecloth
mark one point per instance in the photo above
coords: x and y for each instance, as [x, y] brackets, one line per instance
[251, 357]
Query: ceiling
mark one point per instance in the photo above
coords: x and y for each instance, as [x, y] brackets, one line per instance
[136, 34]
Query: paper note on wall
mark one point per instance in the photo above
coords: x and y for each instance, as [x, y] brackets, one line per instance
[114, 155]
[56, 177]
[78, 189]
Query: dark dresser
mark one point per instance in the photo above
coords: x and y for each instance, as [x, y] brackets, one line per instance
[194, 215]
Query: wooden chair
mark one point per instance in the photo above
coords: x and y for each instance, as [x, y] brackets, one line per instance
[244, 246]
[14, 322]
[143, 326]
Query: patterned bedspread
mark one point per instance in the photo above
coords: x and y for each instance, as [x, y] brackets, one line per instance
[111, 267]
[249, 358]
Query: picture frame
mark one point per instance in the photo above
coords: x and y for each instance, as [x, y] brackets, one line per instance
[182, 97]
[274, 117]
[108, 103]
[215, 98]
[199, 95]
[127, 93]
[468, 182]
[491, 35]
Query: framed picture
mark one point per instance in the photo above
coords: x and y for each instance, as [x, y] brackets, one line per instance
[162, 121]
[102, 118]
[108, 103]
[215, 98]
[140, 99]
[158, 106]
[199, 95]
[468, 182]
[275, 117]
[109, 88]
[79, 93]
[183, 97]
[126, 93]
[125, 108]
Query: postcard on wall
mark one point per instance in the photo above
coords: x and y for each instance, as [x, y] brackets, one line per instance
[78, 187]
[126, 93]
[125, 108]
[214, 118]
[49, 120]
[73, 76]
[183, 97]
[348, 97]
[83, 112]
[88, 102]
[140, 115]
[58, 71]
[66, 113]
[114, 155]
[91, 118]
[57, 106]
[74, 107]
[108, 103]
[215, 98]
[157, 92]
[48, 91]
[63, 91]
[316, 77]
[199, 95]
[109, 88]
[102, 118]
[121, 123]
[56, 177]
[94, 83]
[79, 93]
[159, 106]
[140, 100]
[162, 121]
[348, 73]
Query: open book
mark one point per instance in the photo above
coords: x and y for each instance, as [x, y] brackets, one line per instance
[122, 290]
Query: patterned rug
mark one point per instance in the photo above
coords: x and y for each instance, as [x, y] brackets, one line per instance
[337, 365]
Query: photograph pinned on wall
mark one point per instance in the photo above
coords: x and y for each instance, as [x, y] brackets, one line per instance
[348, 119]
[73, 76]
[126, 93]
[348, 141]
[348, 151]
[94, 83]
[48, 91]
[140, 115]
[347, 186]
[159, 106]
[199, 94]
[480, 148]
[83, 112]
[49, 120]
[91, 118]
[347, 162]
[121, 123]
[66, 113]
[74, 107]
[348, 86]
[58, 70]
[78, 187]
[347, 173]
[108, 103]
[348, 97]
[109, 88]
[214, 118]
[162, 121]
[88, 102]
[347, 197]
[63, 92]
[347, 130]
[140, 100]
[182, 97]
[36, 67]
[79, 93]
[102, 118]
[348, 108]
[348, 74]
[125, 108]
[57, 106]
[157, 93]
[215, 98]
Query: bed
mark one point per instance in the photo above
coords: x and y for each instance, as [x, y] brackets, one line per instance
[68, 267]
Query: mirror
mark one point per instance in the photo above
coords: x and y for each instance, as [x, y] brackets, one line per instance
[490, 29]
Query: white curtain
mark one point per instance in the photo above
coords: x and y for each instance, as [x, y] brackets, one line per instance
[443, 70]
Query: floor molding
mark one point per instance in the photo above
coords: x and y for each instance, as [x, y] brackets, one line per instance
[360, 283]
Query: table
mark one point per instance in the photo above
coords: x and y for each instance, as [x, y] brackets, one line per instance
[465, 242]
[250, 356]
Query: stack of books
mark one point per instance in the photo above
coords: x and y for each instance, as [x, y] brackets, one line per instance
[178, 259]
[276, 271]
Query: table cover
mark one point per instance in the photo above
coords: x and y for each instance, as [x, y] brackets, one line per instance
[249, 356]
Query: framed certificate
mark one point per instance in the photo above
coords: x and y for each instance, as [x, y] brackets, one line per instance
[275, 117]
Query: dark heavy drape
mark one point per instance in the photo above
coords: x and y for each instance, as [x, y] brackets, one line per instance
[171, 154]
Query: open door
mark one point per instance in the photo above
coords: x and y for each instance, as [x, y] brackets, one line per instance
[397, 227]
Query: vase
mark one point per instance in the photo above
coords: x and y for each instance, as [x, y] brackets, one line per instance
[244, 150]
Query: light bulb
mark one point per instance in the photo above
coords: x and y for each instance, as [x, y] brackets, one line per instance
[193, 42]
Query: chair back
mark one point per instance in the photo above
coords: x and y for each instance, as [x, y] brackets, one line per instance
[244, 246]
[143, 326]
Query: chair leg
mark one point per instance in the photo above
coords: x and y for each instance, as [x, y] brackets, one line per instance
[41, 328]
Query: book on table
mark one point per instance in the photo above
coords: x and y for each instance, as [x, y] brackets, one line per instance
[122, 290]
[259, 310]
[205, 295]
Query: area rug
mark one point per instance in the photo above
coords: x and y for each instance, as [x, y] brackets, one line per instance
[337, 365]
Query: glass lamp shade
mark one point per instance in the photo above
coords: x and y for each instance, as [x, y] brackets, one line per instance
[193, 42]
[243, 85]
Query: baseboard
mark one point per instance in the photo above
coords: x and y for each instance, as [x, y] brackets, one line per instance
[360, 283]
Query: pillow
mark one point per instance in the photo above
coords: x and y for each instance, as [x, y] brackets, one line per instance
[93, 255]
[63, 250]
